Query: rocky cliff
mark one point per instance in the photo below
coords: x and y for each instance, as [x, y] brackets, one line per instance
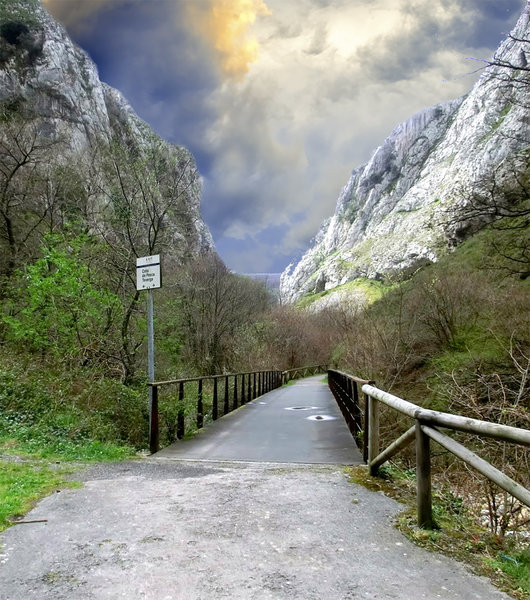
[43, 74]
[399, 211]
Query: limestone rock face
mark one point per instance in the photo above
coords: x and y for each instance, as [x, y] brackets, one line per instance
[43, 70]
[394, 214]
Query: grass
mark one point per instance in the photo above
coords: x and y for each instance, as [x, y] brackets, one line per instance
[515, 567]
[456, 534]
[26, 477]
[23, 483]
[34, 463]
[368, 290]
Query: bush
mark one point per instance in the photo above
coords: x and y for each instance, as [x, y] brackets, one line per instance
[59, 412]
[58, 308]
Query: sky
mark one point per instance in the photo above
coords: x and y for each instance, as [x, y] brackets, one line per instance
[279, 100]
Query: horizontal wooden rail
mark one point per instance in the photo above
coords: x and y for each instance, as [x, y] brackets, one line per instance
[365, 424]
[423, 433]
[479, 464]
[457, 422]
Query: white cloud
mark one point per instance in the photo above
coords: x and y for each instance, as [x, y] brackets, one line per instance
[289, 134]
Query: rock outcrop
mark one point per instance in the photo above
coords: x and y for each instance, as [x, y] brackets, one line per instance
[397, 212]
[42, 72]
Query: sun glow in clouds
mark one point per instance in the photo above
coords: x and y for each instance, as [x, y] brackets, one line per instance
[224, 25]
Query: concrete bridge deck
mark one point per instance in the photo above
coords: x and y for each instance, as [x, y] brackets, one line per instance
[299, 423]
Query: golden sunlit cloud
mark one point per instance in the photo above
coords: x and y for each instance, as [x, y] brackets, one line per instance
[224, 24]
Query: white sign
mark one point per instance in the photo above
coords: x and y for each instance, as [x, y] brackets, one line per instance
[148, 272]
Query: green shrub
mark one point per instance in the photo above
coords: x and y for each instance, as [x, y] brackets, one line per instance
[57, 306]
[56, 413]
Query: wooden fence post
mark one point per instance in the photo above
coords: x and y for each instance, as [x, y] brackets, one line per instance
[423, 478]
[365, 428]
[153, 420]
[180, 413]
[373, 434]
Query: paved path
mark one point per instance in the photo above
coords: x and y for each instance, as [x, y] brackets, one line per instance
[298, 423]
[172, 529]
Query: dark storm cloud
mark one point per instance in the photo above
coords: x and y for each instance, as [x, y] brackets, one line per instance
[149, 56]
[165, 72]
[400, 56]
[319, 41]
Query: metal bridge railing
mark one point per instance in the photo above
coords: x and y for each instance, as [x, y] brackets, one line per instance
[213, 396]
[363, 420]
[194, 403]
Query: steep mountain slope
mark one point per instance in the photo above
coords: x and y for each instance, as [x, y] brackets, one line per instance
[399, 211]
[46, 78]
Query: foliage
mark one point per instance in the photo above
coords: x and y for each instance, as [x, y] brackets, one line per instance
[12, 31]
[455, 337]
[58, 309]
[516, 565]
[20, 33]
[359, 291]
[500, 202]
[216, 307]
[19, 10]
[49, 412]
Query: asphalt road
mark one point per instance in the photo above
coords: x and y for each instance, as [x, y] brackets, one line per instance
[299, 423]
[164, 529]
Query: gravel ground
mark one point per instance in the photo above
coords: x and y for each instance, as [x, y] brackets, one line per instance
[162, 529]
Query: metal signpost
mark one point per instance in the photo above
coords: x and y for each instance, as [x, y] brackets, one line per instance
[148, 277]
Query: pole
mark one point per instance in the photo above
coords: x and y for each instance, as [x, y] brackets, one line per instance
[153, 399]
[150, 338]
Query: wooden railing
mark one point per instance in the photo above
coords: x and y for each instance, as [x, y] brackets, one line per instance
[363, 420]
[225, 393]
[291, 374]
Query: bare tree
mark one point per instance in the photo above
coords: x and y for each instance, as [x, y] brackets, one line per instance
[215, 305]
[502, 202]
[28, 193]
[142, 209]
[518, 69]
